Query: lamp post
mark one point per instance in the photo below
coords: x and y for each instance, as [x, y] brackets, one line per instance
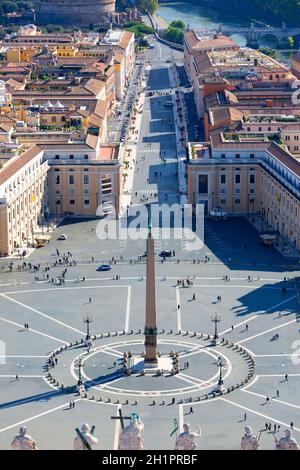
[216, 318]
[87, 319]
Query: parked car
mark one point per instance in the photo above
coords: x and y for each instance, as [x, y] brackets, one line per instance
[165, 254]
[63, 236]
[104, 267]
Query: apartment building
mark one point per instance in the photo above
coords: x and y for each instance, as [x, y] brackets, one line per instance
[247, 174]
[23, 199]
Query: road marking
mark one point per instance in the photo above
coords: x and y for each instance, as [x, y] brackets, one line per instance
[23, 376]
[34, 331]
[258, 413]
[258, 315]
[178, 309]
[181, 417]
[23, 356]
[278, 375]
[272, 399]
[34, 310]
[267, 331]
[67, 288]
[19, 423]
[117, 429]
[276, 355]
[127, 316]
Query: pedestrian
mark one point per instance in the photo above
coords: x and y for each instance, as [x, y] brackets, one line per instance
[191, 410]
[247, 327]
[73, 404]
[90, 300]
[270, 427]
[70, 405]
[194, 296]
[275, 427]
[292, 425]
[267, 399]
[286, 377]
[277, 393]
[266, 426]
[245, 416]
[173, 401]
[232, 327]
[178, 307]
[56, 361]
[17, 377]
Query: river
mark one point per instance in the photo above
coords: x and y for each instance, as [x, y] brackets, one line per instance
[204, 16]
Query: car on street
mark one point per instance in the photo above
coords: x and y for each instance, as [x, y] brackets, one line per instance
[104, 267]
[165, 254]
[63, 236]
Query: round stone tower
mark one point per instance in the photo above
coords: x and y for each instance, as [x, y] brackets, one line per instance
[74, 12]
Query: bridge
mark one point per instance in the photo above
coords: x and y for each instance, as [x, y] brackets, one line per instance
[255, 34]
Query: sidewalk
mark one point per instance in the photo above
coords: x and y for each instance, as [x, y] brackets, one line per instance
[130, 155]
[181, 149]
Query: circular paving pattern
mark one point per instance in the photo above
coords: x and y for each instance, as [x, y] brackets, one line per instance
[102, 367]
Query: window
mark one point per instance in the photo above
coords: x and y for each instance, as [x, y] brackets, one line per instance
[252, 155]
[57, 179]
[86, 157]
[86, 202]
[223, 191]
[237, 201]
[296, 148]
[260, 129]
[86, 179]
[223, 179]
[71, 179]
[223, 155]
[72, 202]
[237, 155]
[251, 190]
[287, 137]
[237, 191]
[252, 179]
[53, 119]
[71, 157]
[237, 179]
[203, 184]
[222, 201]
[296, 137]
[269, 129]
[57, 202]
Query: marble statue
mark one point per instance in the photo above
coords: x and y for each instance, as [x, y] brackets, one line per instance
[186, 439]
[249, 441]
[288, 442]
[131, 437]
[85, 438]
[23, 441]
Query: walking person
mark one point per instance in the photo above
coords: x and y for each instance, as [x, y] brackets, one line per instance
[191, 410]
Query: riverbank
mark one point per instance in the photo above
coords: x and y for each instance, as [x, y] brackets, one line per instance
[160, 22]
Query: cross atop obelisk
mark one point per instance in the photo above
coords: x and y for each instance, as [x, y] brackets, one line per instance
[150, 324]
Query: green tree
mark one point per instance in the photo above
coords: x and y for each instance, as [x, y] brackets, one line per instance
[178, 24]
[174, 35]
[148, 5]
[291, 41]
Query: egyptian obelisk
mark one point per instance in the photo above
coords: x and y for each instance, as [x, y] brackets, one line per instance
[150, 325]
